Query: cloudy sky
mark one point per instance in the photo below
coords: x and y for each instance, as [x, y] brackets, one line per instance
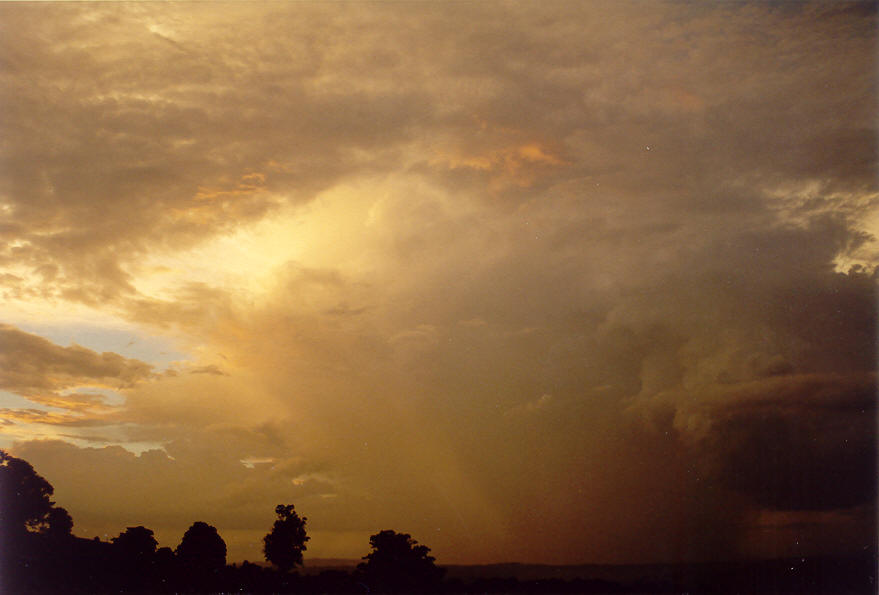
[576, 282]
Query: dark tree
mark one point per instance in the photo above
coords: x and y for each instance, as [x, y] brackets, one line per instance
[60, 523]
[35, 538]
[164, 557]
[164, 565]
[134, 552]
[284, 545]
[25, 497]
[398, 563]
[136, 543]
[202, 549]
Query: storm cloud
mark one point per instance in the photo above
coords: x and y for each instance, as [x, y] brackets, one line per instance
[587, 282]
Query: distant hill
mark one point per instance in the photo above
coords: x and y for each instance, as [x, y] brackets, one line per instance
[795, 575]
[324, 562]
[531, 572]
[816, 574]
[317, 565]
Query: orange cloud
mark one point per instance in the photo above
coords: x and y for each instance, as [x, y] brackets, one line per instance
[521, 164]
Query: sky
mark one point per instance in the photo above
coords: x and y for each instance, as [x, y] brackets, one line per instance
[562, 283]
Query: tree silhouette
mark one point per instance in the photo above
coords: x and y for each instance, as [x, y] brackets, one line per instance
[60, 523]
[134, 552]
[398, 563]
[284, 545]
[26, 499]
[136, 543]
[202, 550]
[35, 535]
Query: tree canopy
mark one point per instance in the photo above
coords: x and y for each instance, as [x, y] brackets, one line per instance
[27, 504]
[136, 542]
[202, 548]
[398, 563]
[284, 545]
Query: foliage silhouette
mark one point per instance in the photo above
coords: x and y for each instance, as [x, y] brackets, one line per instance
[284, 545]
[136, 542]
[398, 563]
[60, 523]
[26, 499]
[164, 568]
[202, 550]
[134, 553]
[34, 533]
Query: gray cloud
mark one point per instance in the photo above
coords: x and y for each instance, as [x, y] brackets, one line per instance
[797, 443]
[36, 368]
[172, 142]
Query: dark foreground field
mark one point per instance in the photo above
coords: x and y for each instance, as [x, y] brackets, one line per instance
[90, 567]
[831, 575]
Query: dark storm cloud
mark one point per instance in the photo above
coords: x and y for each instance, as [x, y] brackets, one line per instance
[797, 443]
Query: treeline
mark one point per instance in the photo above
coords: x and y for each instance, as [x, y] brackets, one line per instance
[39, 554]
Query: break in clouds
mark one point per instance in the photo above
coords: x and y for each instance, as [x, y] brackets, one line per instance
[591, 282]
